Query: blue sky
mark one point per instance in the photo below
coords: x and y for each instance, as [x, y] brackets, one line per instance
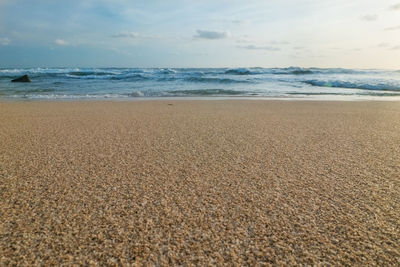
[184, 33]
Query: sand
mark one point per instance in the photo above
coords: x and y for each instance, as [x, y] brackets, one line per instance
[200, 183]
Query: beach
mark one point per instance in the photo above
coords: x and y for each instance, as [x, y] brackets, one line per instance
[200, 183]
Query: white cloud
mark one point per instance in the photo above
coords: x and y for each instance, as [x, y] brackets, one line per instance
[126, 35]
[232, 21]
[61, 42]
[279, 42]
[395, 7]
[4, 41]
[212, 35]
[397, 47]
[383, 45]
[369, 17]
[256, 47]
[392, 28]
[240, 21]
[245, 39]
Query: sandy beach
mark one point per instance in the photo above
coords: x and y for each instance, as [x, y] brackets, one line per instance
[200, 182]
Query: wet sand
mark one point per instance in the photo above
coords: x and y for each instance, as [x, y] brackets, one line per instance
[200, 182]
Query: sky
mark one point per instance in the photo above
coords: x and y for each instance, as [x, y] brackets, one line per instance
[202, 33]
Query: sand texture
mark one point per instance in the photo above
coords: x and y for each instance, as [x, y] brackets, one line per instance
[200, 183]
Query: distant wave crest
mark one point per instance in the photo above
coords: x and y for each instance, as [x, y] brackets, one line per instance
[215, 80]
[255, 71]
[88, 73]
[292, 71]
[238, 71]
[107, 76]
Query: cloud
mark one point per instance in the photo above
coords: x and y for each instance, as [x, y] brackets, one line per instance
[245, 39]
[61, 42]
[240, 21]
[211, 35]
[397, 47]
[395, 7]
[392, 28]
[126, 35]
[256, 47]
[369, 17]
[279, 42]
[383, 45]
[233, 21]
[121, 52]
[4, 41]
[135, 35]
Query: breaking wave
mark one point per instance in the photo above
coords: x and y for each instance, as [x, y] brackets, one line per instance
[355, 85]
[256, 71]
[215, 80]
[239, 71]
[88, 73]
[75, 83]
[206, 92]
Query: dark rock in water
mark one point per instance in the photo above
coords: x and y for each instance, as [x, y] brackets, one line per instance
[22, 79]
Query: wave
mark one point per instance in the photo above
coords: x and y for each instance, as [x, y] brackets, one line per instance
[354, 85]
[107, 76]
[8, 77]
[343, 94]
[206, 92]
[66, 96]
[305, 71]
[292, 71]
[30, 91]
[167, 71]
[130, 77]
[238, 71]
[301, 72]
[215, 80]
[255, 71]
[25, 91]
[40, 71]
[136, 94]
[318, 93]
[306, 94]
[89, 73]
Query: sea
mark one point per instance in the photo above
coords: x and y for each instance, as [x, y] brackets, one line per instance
[200, 83]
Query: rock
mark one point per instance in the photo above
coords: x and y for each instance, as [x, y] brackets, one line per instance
[22, 79]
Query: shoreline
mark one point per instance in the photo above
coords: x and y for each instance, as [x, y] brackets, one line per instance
[200, 182]
[244, 83]
[212, 98]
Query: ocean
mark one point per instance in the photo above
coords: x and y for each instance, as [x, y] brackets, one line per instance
[149, 83]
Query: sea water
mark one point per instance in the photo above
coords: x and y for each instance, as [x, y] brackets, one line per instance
[148, 83]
